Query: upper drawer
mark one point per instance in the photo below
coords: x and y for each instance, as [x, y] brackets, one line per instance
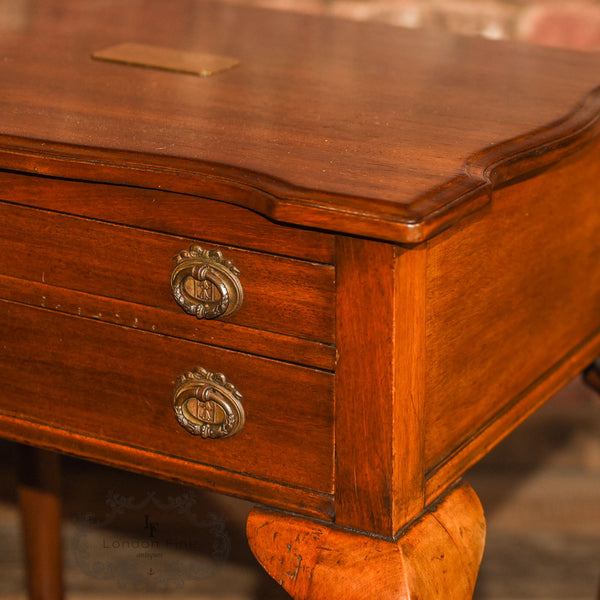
[286, 296]
[166, 212]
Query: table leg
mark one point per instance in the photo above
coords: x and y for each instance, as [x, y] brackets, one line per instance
[592, 375]
[39, 500]
[438, 556]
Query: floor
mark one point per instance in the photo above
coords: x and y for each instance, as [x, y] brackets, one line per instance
[127, 536]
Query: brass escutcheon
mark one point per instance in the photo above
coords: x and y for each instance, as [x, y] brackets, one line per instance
[206, 284]
[208, 405]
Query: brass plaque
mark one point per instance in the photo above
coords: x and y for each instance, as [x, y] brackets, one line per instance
[169, 59]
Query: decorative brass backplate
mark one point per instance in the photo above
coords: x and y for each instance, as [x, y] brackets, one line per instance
[206, 404]
[167, 59]
[206, 284]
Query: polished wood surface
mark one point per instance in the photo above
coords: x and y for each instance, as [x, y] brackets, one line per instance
[178, 214]
[315, 104]
[437, 557]
[374, 370]
[512, 297]
[379, 385]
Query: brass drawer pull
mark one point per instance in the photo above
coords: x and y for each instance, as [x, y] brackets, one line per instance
[206, 404]
[205, 284]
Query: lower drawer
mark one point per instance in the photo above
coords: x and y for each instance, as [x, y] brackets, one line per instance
[113, 383]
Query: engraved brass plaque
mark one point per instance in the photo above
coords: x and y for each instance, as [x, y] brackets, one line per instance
[168, 59]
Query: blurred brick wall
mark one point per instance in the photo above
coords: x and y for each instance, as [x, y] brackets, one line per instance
[574, 24]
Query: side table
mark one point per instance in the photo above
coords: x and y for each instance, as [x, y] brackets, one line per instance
[320, 265]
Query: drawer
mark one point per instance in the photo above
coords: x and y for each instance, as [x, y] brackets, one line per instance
[282, 295]
[165, 212]
[116, 384]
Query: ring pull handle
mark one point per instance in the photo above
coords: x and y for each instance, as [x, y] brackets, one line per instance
[206, 284]
[208, 405]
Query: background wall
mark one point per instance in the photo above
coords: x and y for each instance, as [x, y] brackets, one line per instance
[574, 24]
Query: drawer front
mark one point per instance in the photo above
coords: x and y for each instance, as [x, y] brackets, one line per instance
[282, 295]
[112, 383]
[166, 212]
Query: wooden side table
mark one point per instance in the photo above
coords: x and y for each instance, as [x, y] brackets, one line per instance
[320, 265]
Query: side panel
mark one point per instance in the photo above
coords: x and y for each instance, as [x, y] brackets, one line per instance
[513, 310]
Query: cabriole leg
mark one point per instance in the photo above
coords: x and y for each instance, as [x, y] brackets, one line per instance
[437, 557]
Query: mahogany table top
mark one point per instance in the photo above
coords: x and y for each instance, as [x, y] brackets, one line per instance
[357, 128]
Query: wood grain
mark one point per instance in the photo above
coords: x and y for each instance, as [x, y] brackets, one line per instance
[379, 386]
[153, 319]
[513, 304]
[155, 210]
[377, 131]
[416, 219]
[437, 557]
[280, 295]
[171, 468]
